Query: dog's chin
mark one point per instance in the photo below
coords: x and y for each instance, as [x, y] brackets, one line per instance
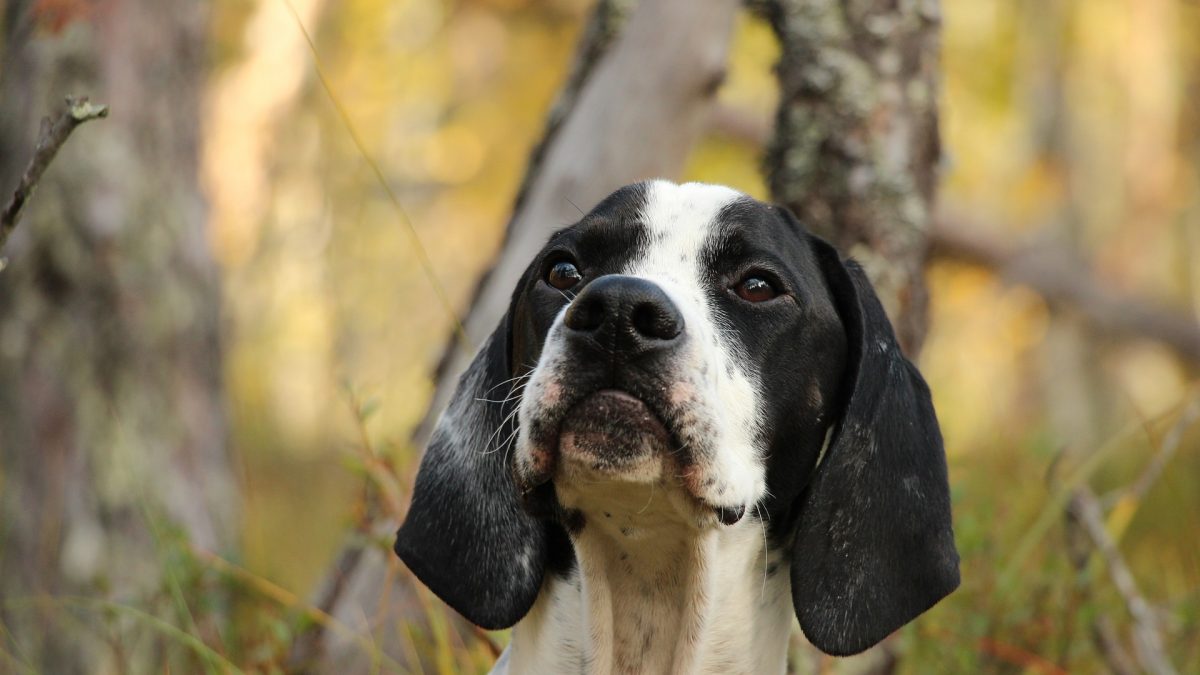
[607, 452]
[611, 435]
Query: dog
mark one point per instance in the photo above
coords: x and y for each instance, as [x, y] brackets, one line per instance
[693, 424]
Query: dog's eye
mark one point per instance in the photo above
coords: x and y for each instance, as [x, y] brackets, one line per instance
[563, 275]
[755, 289]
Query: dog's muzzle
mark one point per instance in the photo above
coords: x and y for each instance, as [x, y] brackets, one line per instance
[618, 340]
[623, 319]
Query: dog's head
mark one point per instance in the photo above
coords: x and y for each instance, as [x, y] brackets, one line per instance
[692, 336]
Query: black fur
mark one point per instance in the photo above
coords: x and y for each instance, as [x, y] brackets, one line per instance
[466, 535]
[873, 545]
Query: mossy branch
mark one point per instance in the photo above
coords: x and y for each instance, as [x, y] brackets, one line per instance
[53, 134]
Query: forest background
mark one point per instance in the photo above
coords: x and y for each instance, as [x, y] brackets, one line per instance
[222, 313]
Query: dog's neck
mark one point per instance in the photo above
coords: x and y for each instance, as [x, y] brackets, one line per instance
[651, 594]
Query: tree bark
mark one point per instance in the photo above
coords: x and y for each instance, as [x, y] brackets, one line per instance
[640, 106]
[856, 147]
[112, 428]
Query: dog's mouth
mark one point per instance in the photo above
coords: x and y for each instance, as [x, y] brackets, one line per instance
[614, 433]
[595, 443]
[608, 432]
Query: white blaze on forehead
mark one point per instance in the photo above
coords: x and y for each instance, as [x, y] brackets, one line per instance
[680, 220]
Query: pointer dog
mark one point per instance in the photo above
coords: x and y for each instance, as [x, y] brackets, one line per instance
[693, 423]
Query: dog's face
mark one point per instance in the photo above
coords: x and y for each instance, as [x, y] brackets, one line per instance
[690, 336]
[676, 333]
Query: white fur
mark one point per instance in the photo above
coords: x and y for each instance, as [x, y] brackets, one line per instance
[711, 609]
[660, 586]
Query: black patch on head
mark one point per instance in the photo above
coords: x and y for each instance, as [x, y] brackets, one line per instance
[794, 344]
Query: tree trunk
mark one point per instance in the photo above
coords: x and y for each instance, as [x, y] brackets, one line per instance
[855, 153]
[629, 112]
[112, 430]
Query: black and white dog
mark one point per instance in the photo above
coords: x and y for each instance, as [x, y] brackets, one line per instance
[694, 421]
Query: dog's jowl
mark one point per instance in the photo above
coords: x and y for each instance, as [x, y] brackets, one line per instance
[693, 424]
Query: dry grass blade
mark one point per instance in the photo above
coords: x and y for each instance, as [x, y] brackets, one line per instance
[269, 589]
[418, 248]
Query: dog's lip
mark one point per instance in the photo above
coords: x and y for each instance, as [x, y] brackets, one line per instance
[654, 422]
[618, 394]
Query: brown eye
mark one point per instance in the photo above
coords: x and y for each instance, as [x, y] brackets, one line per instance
[755, 289]
[563, 275]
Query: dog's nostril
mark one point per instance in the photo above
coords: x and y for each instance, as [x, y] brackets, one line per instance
[585, 313]
[625, 315]
[654, 320]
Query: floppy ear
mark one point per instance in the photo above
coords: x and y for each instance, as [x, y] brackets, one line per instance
[466, 536]
[873, 547]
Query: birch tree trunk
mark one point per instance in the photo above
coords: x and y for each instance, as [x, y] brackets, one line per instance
[856, 149]
[112, 432]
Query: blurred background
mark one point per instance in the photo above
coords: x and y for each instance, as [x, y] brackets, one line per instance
[216, 312]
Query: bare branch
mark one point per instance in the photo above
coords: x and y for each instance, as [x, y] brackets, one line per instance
[1086, 514]
[1064, 281]
[53, 135]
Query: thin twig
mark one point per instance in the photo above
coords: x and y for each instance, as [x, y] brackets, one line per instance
[1086, 512]
[53, 134]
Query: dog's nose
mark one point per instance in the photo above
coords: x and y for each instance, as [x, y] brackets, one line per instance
[625, 314]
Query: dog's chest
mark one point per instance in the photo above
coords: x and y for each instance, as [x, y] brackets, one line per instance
[725, 611]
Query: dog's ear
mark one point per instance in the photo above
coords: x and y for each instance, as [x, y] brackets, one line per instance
[466, 535]
[873, 544]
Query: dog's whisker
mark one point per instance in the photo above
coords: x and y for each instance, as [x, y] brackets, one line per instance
[766, 555]
[496, 434]
[648, 500]
[509, 443]
[511, 379]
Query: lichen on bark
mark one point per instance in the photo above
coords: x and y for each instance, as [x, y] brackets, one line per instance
[856, 147]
